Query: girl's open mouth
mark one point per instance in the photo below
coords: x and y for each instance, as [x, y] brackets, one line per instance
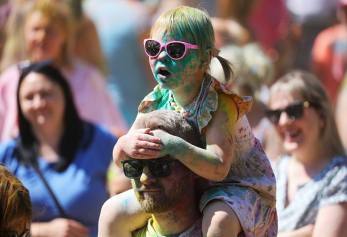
[163, 72]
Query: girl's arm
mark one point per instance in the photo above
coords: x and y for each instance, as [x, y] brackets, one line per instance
[214, 162]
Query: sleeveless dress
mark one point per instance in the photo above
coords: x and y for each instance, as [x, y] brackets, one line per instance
[250, 186]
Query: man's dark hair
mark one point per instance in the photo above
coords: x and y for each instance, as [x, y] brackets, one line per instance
[173, 123]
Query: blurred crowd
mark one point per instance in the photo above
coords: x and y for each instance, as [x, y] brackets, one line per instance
[96, 46]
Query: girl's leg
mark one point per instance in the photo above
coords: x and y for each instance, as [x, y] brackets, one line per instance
[121, 215]
[220, 220]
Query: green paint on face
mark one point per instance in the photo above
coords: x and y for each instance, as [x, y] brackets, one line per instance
[183, 72]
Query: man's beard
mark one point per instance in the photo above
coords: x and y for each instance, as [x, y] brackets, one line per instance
[150, 205]
[158, 203]
[162, 202]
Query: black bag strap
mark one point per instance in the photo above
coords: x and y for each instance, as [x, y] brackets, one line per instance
[33, 162]
[35, 165]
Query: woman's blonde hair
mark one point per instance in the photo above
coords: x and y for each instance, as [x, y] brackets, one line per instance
[253, 67]
[14, 49]
[182, 21]
[306, 86]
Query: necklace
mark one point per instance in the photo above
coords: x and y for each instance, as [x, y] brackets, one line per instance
[178, 108]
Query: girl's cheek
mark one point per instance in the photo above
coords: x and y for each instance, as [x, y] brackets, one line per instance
[151, 63]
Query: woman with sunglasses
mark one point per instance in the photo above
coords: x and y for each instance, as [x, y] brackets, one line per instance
[312, 176]
[15, 206]
[238, 172]
[60, 158]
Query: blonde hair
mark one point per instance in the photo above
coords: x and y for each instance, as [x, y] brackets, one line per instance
[253, 67]
[306, 86]
[14, 49]
[184, 21]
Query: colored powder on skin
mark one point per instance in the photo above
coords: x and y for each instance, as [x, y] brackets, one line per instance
[125, 202]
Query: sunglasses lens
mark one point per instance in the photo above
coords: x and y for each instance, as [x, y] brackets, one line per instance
[176, 50]
[132, 168]
[160, 168]
[152, 47]
[274, 116]
[295, 111]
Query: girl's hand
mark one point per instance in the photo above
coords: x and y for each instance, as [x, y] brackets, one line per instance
[170, 143]
[140, 145]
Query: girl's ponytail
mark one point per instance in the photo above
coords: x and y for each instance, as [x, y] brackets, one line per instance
[227, 68]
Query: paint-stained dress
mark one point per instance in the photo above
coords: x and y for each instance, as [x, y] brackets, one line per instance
[250, 186]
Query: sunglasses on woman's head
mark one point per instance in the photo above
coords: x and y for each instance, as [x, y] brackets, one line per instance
[175, 49]
[26, 233]
[159, 168]
[294, 111]
[26, 66]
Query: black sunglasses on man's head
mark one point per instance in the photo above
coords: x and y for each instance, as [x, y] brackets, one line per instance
[159, 167]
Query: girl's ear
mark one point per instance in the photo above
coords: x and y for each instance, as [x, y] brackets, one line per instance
[208, 54]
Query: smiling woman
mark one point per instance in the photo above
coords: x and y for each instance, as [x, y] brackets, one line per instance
[54, 147]
[312, 177]
[42, 101]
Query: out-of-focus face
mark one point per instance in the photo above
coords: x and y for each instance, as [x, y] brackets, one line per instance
[42, 101]
[158, 195]
[302, 134]
[44, 38]
[173, 74]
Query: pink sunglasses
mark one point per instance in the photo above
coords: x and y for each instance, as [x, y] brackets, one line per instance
[174, 49]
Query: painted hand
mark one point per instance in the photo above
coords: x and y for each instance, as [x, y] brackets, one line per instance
[168, 141]
[139, 144]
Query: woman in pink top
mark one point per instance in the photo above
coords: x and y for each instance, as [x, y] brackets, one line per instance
[47, 35]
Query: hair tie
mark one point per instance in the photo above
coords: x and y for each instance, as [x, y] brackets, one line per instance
[216, 52]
